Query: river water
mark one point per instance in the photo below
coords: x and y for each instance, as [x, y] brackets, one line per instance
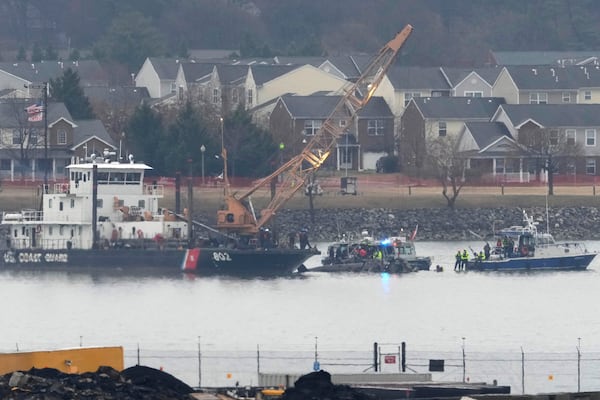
[216, 331]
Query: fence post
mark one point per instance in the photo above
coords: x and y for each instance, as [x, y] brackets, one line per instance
[594, 189]
[138, 354]
[464, 361]
[258, 360]
[409, 190]
[579, 363]
[375, 358]
[502, 188]
[522, 371]
[403, 356]
[199, 364]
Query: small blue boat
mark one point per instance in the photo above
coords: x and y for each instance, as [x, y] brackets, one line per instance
[523, 248]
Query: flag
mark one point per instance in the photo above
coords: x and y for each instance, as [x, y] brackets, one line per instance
[35, 112]
[414, 234]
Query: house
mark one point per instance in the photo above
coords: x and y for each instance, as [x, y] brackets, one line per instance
[548, 85]
[490, 149]
[191, 78]
[568, 125]
[266, 82]
[20, 76]
[467, 82]
[158, 76]
[224, 89]
[23, 147]
[401, 84]
[549, 58]
[430, 117]
[295, 119]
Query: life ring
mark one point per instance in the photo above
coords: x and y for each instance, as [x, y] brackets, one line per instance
[38, 229]
[140, 234]
[524, 251]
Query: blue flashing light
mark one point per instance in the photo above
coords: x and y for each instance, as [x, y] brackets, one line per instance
[386, 242]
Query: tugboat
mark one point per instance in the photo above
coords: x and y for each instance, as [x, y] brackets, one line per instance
[523, 248]
[106, 218]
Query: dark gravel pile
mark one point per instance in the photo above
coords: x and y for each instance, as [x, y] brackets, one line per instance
[133, 383]
[317, 385]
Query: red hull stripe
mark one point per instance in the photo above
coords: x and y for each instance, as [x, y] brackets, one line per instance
[190, 262]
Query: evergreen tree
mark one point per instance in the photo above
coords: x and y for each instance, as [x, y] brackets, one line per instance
[250, 149]
[145, 136]
[36, 53]
[185, 135]
[50, 54]
[22, 54]
[74, 56]
[66, 89]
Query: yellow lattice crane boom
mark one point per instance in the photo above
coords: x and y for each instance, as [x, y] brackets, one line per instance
[238, 217]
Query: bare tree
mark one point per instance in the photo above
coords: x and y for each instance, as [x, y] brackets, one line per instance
[557, 152]
[23, 137]
[444, 162]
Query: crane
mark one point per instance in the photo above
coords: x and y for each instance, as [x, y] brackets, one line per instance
[238, 213]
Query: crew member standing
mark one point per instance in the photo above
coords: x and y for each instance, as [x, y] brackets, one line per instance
[465, 260]
[458, 261]
[303, 235]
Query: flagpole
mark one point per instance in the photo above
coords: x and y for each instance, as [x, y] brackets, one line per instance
[45, 88]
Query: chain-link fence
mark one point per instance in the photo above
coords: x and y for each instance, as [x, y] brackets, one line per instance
[524, 372]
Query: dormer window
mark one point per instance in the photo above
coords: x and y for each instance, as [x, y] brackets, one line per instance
[61, 137]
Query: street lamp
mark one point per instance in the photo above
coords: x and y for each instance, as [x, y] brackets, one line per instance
[202, 150]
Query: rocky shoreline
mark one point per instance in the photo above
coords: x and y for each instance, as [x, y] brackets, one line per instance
[565, 223]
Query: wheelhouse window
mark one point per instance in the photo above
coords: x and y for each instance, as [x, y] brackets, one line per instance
[538, 98]
[442, 128]
[312, 126]
[375, 127]
[590, 137]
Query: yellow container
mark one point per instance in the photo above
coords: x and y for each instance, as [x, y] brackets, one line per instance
[71, 361]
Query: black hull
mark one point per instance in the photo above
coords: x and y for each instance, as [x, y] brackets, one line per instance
[274, 262]
[245, 262]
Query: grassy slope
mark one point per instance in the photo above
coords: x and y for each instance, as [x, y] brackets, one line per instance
[208, 199]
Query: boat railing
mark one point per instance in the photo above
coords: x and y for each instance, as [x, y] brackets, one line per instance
[54, 244]
[32, 215]
[155, 190]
